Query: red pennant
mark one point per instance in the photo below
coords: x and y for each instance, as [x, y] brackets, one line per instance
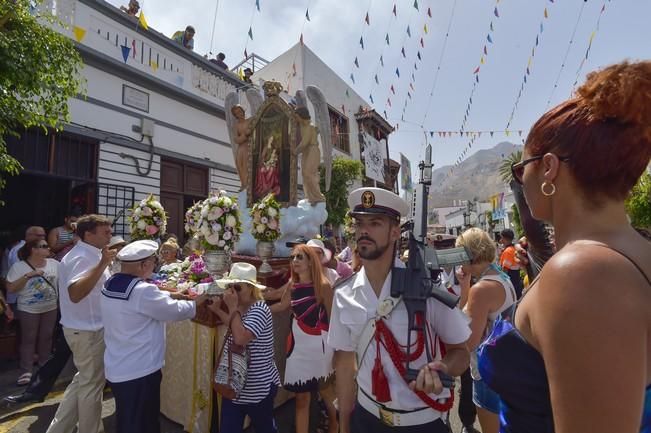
[429, 12]
[389, 101]
[393, 90]
[476, 71]
[367, 19]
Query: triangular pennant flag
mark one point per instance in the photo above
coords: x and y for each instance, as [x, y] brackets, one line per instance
[385, 114]
[393, 90]
[408, 31]
[133, 48]
[381, 61]
[301, 39]
[485, 50]
[361, 42]
[425, 28]
[416, 4]
[371, 98]
[507, 132]
[422, 43]
[491, 27]
[348, 94]
[429, 12]
[409, 94]
[395, 14]
[356, 62]
[497, 14]
[240, 73]
[489, 38]
[79, 33]
[418, 55]
[125, 52]
[352, 78]
[412, 77]
[546, 14]
[251, 33]
[541, 27]
[389, 101]
[525, 78]
[520, 133]
[387, 38]
[257, 5]
[481, 60]
[154, 66]
[143, 21]
[536, 40]
[403, 52]
[477, 78]
[377, 81]
[246, 55]
[307, 14]
[412, 87]
[367, 19]
[398, 72]
[476, 71]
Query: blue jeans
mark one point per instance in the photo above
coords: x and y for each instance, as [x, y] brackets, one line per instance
[485, 397]
[261, 414]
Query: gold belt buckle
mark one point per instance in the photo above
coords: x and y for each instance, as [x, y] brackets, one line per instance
[386, 417]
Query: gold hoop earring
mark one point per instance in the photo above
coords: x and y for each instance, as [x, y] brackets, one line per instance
[548, 193]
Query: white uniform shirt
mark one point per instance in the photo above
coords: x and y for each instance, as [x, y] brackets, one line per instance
[355, 303]
[134, 329]
[85, 315]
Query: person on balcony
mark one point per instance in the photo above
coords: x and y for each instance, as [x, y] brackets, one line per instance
[185, 38]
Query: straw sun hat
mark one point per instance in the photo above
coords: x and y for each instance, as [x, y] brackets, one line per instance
[240, 273]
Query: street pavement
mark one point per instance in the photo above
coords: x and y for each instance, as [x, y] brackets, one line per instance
[35, 418]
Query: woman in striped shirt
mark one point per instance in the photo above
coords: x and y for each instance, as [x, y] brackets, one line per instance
[251, 326]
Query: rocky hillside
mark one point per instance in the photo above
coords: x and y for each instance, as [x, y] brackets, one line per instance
[477, 176]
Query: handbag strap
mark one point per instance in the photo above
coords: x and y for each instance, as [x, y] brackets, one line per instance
[41, 276]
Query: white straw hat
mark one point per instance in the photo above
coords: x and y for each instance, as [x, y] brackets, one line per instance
[240, 273]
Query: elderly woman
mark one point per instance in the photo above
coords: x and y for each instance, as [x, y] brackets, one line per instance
[250, 325]
[485, 300]
[576, 355]
[34, 279]
[309, 359]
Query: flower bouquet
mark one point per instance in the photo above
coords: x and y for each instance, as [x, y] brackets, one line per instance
[266, 219]
[148, 220]
[192, 217]
[183, 277]
[219, 225]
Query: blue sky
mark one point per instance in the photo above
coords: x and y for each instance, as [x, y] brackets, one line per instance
[335, 27]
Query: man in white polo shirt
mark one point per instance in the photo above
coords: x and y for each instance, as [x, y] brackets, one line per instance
[82, 274]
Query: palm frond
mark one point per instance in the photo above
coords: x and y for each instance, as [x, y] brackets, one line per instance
[505, 167]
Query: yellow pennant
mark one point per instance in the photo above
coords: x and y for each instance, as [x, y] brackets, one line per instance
[546, 14]
[425, 28]
[154, 66]
[481, 60]
[529, 62]
[143, 21]
[592, 37]
[79, 33]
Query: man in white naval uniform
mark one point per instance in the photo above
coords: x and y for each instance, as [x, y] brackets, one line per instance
[385, 401]
[135, 313]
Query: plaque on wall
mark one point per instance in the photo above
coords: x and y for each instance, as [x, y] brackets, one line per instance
[135, 98]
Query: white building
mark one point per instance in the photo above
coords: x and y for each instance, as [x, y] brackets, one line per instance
[475, 215]
[151, 122]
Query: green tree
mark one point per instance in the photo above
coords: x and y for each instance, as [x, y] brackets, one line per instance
[344, 173]
[39, 72]
[505, 166]
[638, 204]
[519, 232]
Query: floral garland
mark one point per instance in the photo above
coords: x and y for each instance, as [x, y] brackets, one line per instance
[183, 276]
[148, 220]
[192, 217]
[266, 219]
[219, 227]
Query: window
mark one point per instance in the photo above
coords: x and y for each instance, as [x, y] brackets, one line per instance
[339, 130]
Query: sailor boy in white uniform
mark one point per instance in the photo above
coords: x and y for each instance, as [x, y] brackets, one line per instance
[134, 314]
[368, 331]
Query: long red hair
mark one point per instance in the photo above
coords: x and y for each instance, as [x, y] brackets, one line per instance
[317, 276]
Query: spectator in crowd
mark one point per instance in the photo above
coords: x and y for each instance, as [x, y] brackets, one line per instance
[135, 336]
[491, 294]
[343, 269]
[248, 73]
[116, 244]
[132, 9]
[62, 239]
[324, 255]
[309, 359]
[82, 274]
[250, 325]
[169, 252]
[34, 280]
[346, 255]
[509, 261]
[185, 38]
[219, 61]
[32, 233]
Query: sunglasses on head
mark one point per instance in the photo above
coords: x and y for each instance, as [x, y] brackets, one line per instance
[298, 257]
[517, 168]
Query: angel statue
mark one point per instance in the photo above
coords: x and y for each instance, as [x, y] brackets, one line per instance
[240, 132]
[309, 145]
[268, 179]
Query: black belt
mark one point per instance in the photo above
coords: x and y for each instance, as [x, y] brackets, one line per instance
[388, 409]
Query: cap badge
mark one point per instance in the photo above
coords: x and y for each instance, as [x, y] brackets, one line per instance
[368, 199]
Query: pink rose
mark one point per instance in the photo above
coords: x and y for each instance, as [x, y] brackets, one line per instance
[273, 224]
[152, 230]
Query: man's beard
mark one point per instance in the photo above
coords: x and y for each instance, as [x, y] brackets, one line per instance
[366, 253]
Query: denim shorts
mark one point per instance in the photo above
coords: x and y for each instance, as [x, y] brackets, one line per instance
[484, 397]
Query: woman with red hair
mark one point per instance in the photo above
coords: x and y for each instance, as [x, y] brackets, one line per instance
[576, 355]
[309, 359]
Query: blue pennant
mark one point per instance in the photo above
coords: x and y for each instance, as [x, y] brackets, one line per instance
[125, 52]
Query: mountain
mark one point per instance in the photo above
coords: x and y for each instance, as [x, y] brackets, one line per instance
[477, 176]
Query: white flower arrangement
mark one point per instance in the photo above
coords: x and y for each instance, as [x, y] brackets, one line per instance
[148, 219]
[192, 217]
[266, 219]
[219, 226]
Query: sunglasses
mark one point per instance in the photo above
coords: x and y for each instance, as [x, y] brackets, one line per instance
[237, 287]
[517, 168]
[43, 247]
[299, 257]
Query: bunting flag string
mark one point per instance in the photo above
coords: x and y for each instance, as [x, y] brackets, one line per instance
[365, 24]
[249, 35]
[527, 71]
[292, 73]
[567, 52]
[587, 51]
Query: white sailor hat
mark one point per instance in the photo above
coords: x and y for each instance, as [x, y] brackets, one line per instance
[365, 201]
[137, 251]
